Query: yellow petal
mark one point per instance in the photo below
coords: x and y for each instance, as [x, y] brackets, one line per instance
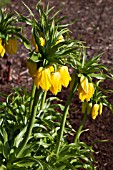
[90, 91]
[32, 66]
[51, 68]
[42, 78]
[55, 82]
[2, 50]
[65, 77]
[38, 77]
[100, 108]
[81, 93]
[84, 83]
[94, 111]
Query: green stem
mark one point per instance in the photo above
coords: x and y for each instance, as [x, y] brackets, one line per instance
[65, 112]
[80, 128]
[32, 97]
[31, 123]
[43, 99]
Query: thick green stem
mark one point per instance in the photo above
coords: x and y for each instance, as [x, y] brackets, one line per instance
[32, 97]
[65, 112]
[80, 128]
[31, 123]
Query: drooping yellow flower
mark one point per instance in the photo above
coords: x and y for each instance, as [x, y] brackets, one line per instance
[60, 39]
[95, 111]
[11, 46]
[42, 42]
[65, 77]
[32, 66]
[43, 78]
[2, 49]
[85, 89]
[55, 82]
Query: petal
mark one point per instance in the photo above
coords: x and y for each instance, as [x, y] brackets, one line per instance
[51, 68]
[55, 82]
[84, 83]
[45, 81]
[65, 77]
[90, 91]
[38, 77]
[81, 93]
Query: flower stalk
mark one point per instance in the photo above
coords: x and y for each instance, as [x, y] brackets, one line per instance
[31, 123]
[80, 128]
[32, 97]
[65, 112]
[43, 99]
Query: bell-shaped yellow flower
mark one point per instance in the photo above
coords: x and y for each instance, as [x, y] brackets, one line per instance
[65, 77]
[11, 46]
[32, 66]
[43, 79]
[42, 42]
[55, 82]
[95, 111]
[83, 95]
[2, 49]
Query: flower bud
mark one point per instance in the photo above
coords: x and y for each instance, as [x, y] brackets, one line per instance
[32, 66]
[94, 111]
[11, 46]
[100, 108]
[89, 107]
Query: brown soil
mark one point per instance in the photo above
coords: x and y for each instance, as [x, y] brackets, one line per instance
[94, 26]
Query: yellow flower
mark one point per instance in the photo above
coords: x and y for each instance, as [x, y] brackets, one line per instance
[2, 49]
[94, 111]
[60, 39]
[32, 66]
[55, 82]
[85, 89]
[42, 42]
[11, 46]
[65, 77]
[43, 79]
